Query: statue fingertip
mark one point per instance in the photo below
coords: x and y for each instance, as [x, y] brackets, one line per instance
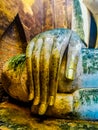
[31, 96]
[42, 109]
[70, 74]
[51, 100]
[36, 101]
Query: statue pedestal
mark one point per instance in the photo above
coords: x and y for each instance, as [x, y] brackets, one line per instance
[15, 117]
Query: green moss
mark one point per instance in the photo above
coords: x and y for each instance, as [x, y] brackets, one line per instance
[87, 96]
[73, 125]
[17, 61]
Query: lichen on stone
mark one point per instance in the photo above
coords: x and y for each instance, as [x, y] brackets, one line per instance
[16, 61]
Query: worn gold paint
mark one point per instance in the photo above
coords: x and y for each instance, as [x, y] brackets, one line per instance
[8, 11]
[62, 106]
[4, 8]
[27, 6]
[60, 13]
[29, 2]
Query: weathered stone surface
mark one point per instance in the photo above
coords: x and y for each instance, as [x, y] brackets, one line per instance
[16, 117]
[47, 66]
[21, 20]
[10, 9]
[24, 13]
[92, 6]
[88, 62]
[3, 95]
[8, 12]
[62, 107]
[11, 44]
[16, 85]
[36, 16]
[82, 104]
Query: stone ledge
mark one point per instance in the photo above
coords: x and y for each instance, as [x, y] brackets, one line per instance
[14, 117]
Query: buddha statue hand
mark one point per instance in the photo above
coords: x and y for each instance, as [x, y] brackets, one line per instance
[46, 68]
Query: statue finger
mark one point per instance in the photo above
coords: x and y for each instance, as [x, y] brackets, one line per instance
[44, 73]
[54, 70]
[30, 84]
[36, 70]
[72, 58]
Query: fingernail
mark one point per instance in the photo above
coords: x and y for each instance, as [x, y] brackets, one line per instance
[51, 100]
[70, 74]
[36, 101]
[42, 109]
[31, 96]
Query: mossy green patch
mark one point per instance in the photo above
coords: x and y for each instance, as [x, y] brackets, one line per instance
[17, 61]
[78, 125]
[89, 96]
